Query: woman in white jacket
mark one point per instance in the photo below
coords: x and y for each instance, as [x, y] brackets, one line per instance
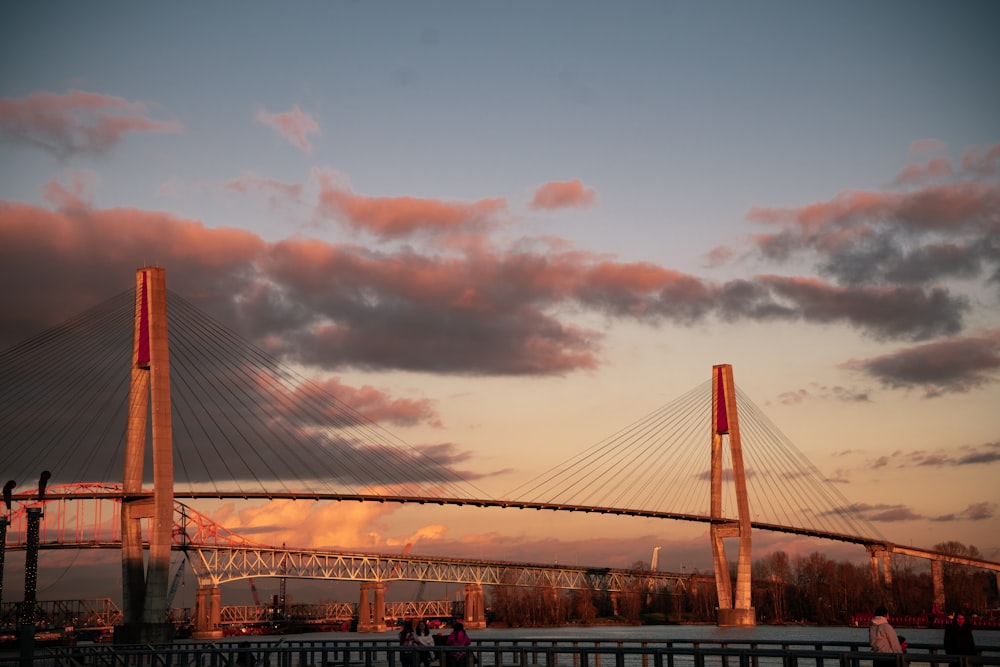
[882, 637]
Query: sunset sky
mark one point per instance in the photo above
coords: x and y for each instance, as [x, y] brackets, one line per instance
[508, 230]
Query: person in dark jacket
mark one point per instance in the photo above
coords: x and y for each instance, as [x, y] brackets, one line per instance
[958, 638]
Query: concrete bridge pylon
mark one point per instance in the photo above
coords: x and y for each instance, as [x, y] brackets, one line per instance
[735, 608]
[144, 584]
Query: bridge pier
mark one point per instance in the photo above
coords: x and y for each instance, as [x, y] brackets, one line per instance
[475, 607]
[207, 613]
[881, 576]
[371, 607]
[735, 603]
[937, 578]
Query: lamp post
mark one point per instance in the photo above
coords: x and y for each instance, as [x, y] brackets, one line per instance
[31, 576]
[4, 520]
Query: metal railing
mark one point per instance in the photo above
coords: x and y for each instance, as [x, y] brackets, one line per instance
[497, 653]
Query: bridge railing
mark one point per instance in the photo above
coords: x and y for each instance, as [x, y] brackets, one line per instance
[497, 653]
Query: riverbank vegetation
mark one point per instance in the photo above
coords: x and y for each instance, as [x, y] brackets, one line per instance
[801, 589]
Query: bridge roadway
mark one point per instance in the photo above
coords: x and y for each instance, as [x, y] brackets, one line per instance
[874, 546]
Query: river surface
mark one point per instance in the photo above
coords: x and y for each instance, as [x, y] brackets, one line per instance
[806, 634]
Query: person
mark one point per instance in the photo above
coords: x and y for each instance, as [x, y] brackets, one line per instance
[958, 636]
[458, 637]
[902, 644]
[423, 638]
[882, 637]
[407, 638]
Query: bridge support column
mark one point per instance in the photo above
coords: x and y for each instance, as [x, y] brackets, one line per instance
[475, 607]
[937, 579]
[207, 613]
[371, 607]
[735, 605]
[144, 580]
[881, 566]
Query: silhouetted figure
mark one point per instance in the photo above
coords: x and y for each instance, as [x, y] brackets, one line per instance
[882, 638]
[958, 636]
[409, 639]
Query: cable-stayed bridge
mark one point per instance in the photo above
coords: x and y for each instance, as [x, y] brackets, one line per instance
[224, 419]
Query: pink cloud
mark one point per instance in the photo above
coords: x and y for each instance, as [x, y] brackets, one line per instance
[720, 255]
[276, 193]
[294, 126]
[78, 194]
[565, 194]
[374, 404]
[979, 161]
[933, 170]
[396, 217]
[78, 122]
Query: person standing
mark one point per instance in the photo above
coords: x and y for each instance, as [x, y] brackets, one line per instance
[408, 639]
[958, 638]
[423, 638]
[882, 637]
[458, 637]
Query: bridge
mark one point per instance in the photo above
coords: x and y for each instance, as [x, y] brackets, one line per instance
[248, 427]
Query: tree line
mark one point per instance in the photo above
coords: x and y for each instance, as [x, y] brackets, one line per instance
[800, 589]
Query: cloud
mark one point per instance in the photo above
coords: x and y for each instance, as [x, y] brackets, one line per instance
[982, 161]
[930, 233]
[935, 169]
[953, 365]
[276, 193]
[294, 126]
[883, 312]
[450, 308]
[969, 455]
[76, 123]
[881, 512]
[332, 524]
[974, 512]
[822, 392]
[564, 194]
[77, 195]
[374, 404]
[399, 217]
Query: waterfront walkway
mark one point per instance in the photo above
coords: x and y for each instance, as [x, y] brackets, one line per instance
[493, 653]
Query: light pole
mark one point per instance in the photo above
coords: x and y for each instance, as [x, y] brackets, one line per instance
[8, 488]
[31, 576]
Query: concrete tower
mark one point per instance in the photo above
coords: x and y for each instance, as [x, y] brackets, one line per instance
[734, 606]
[144, 586]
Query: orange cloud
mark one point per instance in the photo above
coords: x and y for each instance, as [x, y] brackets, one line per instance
[78, 122]
[294, 126]
[564, 194]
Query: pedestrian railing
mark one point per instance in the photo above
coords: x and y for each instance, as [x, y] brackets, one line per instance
[495, 653]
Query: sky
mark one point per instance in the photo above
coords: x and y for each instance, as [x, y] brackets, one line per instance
[508, 230]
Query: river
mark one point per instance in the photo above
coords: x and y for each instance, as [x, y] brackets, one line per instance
[807, 634]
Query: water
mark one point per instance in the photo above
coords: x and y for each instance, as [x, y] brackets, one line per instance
[806, 634]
